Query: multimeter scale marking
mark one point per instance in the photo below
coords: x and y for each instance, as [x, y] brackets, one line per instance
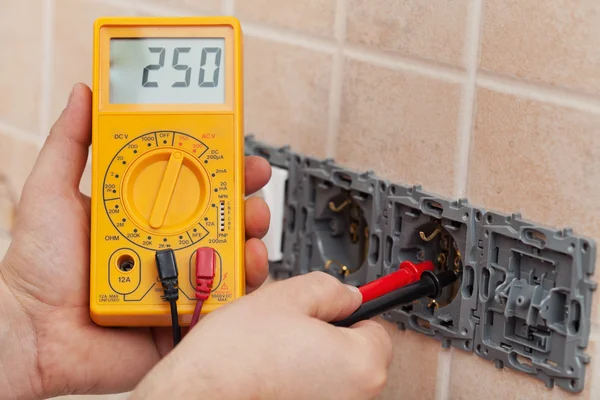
[124, 164]
[139, 203]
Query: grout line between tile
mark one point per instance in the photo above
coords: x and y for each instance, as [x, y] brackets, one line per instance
[335, 104]
[500, 83]
[289, 36]
[337, 81]
[341, 15]
[20, 134]
[401, 63]
[154, 9]
[444, 366]
[533, 91]
[251, 29]
[228, 7]
[46, 67]
[466, 118]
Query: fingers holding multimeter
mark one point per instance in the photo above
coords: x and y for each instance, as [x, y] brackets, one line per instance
[63, 159]
[258, 173]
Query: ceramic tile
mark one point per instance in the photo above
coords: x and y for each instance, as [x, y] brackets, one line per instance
[4, 244]
[287, 95]
[8, 207]
[203, 6]
[476, 378]
[6, 147]
[555, 42]
[20, 64]
[18, 158]
[431, 30]
[413, 371]
[310, 16]
[538, 159]
[73, 39]
[8, 195]
[86, 180]
[401, 125]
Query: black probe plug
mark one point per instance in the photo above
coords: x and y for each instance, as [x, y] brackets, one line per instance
[169, 278]
[430, 285]
[168, 274]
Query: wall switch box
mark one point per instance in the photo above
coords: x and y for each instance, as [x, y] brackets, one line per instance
[524, 299]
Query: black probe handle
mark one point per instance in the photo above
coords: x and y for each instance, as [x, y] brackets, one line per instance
[429, 285]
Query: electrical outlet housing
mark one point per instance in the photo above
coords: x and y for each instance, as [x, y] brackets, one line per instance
[524, 297]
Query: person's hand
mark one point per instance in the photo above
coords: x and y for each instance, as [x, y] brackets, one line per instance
[277, 344]
[48, 344]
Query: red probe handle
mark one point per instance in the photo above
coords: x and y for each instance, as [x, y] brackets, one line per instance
[407, 273]
[206, 259]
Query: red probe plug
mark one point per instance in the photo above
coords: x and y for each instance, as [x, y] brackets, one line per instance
[407, 273]
[206, 258]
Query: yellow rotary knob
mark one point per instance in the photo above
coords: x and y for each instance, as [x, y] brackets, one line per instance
[166, 191]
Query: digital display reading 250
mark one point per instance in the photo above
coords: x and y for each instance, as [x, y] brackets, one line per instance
[167, 71]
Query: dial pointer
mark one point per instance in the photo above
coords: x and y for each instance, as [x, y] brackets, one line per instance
[165, 192]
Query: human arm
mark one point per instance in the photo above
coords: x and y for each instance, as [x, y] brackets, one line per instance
[49, 346]
[277, 344]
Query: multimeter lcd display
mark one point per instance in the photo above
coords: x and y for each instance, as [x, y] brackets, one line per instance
[167, 71]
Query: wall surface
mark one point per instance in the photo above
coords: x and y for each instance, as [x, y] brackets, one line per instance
[494, 100]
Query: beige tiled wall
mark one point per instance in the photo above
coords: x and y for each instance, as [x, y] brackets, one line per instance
[495, 100]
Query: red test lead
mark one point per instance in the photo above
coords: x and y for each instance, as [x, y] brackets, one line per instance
[206, 259]
[407, 273]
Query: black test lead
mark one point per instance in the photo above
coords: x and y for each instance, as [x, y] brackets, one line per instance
[430, 285]
[168, 274]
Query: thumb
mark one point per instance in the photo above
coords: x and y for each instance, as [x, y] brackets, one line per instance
[63, 157]
[316, 294]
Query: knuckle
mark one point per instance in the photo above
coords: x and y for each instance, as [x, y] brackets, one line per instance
[316, 283]
[320, 277]
[322, 281]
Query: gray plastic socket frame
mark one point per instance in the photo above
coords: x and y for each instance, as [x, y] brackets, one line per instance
[524, 297]
[535, 299]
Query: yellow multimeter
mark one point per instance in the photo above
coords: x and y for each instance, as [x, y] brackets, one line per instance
[167, 164]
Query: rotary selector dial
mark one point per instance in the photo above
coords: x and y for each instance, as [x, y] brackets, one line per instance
[156, 190]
